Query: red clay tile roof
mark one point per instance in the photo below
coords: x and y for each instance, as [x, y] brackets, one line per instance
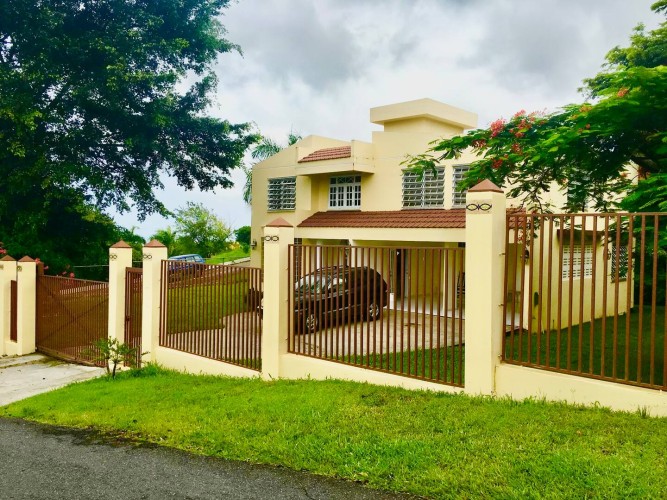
[328, 154]
[434, 218]
[425, 218]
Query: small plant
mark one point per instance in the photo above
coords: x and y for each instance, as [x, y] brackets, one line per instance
[113, 352]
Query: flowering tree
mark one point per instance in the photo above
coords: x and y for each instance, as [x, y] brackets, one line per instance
[586, 148]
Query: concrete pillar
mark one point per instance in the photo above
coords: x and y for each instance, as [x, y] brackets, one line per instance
[7, 275]
[26, 284]
[485, 248]
[278, 235]
[153, 255]
[120, 258]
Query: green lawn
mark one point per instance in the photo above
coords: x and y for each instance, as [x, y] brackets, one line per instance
[228, 256]
[611, 355]
[435, 445]
[439, 365]
[202, 306]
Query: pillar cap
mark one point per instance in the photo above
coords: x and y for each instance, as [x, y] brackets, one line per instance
[279, 222]
[120, 244]
[8, 258]
[486, 186]
[26, 259]
[154, 244]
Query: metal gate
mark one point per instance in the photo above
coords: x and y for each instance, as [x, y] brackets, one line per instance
[71, 315]
[133, 304]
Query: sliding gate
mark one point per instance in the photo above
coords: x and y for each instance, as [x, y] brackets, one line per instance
[71, 315]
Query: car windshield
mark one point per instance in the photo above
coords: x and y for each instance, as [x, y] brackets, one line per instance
[312, 284]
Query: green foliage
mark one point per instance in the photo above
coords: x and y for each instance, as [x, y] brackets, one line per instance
[242, 236]
[112, 352]
[60, 229]
[586, 148]
[434, 445]
[200, 230]
[168, 237]
[95, 110]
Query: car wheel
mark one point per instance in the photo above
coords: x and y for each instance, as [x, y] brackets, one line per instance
[312, 323]
[373, 311]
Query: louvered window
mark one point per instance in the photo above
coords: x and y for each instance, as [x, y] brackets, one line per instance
[345, 192]
[282, 193]
[572, 262]
[425, 192]
[458, 197]
[619, 263]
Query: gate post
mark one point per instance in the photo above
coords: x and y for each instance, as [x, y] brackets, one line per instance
[484, 265]
[120, 258]
[153, 254]
[7, 275]
[278, 235]
[26, 305]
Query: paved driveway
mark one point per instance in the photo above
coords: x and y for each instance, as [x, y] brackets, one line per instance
[42, 462]
[25, 376]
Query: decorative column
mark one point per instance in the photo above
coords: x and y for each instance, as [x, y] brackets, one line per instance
[26, 306]
[153, 254]
[484, 265]
[7, 275]
[278, 235]
[120, 258]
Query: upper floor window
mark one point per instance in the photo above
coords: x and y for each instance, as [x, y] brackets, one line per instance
[425, 192]
[282, 193]
[345, 192]
[458, 197]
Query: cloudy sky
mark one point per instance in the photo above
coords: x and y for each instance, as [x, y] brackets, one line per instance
[317, 66]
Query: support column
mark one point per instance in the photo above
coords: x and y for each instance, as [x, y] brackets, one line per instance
[26, 302]
[153, 255]
[278, 235]
[485, 248]
[120, 258]
[7, 275]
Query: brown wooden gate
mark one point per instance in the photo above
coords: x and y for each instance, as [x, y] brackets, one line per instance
[133, 304]
[71, 315]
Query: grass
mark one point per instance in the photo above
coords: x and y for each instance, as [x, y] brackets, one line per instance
[430, 444]
[591, 349]
[228, 256]
[445, 364]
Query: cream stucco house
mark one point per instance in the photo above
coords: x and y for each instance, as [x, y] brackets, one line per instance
[357, 193]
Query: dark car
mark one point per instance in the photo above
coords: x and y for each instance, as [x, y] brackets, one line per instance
[183, 264]
[338, 294]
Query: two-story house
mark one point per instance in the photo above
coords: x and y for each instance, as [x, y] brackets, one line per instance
[357, 193]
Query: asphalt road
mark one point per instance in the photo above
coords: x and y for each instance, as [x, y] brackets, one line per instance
[44, 462]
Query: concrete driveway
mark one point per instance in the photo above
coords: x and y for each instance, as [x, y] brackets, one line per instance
[25, 376]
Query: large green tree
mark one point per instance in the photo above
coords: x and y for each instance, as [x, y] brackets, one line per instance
[200, 230]
[94, 105]
[586, 148]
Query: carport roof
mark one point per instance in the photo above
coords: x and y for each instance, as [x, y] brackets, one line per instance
[429, 218]
[426, 218]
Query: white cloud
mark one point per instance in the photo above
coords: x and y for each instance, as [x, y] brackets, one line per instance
[317, 66]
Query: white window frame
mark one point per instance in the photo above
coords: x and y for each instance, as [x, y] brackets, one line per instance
[458, 197]
[427, 192]
[576, 261]
[281, 194]
[345, 192]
